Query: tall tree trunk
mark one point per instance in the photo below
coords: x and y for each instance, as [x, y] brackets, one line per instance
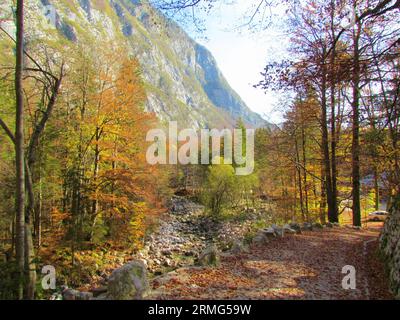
[335, 211]
[30, 267]
[376, 187]
[19, 149]
[325, 148]
[12, 250]
[38, 211]
[303, 144]
[356, 129]
[322, 204]
[95, 202]
[298, 177]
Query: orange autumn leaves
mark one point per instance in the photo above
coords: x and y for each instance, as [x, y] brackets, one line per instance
[110, 192]
[122, 182]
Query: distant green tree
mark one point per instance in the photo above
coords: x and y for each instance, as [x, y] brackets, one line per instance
[220, 188]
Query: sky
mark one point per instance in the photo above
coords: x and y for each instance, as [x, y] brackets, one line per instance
[242, 55]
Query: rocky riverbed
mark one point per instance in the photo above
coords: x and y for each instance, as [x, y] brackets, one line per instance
[180, 236]
[184, 233]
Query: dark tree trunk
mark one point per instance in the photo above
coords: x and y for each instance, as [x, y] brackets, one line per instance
[298, 178]
[322, 205]
[303, 144]
[325, 147]
[335, 210]
[30, 267]
[376, 187]
[95, 202]
[356, 130]
[19, 148]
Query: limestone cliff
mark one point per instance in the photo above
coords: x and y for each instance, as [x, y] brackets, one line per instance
[182, 77]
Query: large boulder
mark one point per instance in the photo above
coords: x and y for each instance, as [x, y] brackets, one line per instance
[307, 226]
[71, 294]
[264, 235]
[288, 229]
[295, 226]
[390, 247]
[317, 225]
[260, 238]
[269, 232]
[210, 256]
[128, 282]
[238, 247]
[279, 232]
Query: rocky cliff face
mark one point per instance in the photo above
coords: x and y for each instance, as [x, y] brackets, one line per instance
[182, 78]
[390, 248]
[218, 89]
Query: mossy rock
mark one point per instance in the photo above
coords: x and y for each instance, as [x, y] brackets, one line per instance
[129, 282]
[209, 257]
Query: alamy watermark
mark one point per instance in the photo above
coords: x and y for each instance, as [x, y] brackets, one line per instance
[238, 147]
[349, 19]
[349, 281]
[49, 279]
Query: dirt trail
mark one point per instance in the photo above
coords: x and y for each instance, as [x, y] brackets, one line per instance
[304, 266]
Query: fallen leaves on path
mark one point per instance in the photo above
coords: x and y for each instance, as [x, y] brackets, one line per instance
[305, 266]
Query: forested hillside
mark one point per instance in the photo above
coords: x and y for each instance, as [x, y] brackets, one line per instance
[181, 76]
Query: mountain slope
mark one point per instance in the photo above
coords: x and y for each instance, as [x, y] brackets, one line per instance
[182, 78]
[219, 91]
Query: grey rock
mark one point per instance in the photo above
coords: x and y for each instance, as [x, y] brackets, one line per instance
[389, 243]
[317, 225]
[263, 236]
[71, 294]
[307, 226]
[168, 263]
[270, 232]
[210, 256]
[288, 229]
[128, 282]
[98, 291]
[295, 226]
[102, 296]
[157, 262]
[260, 238]
[56, 296]
[238, 247]
[189, 253]
[279, 232]
[166, 252]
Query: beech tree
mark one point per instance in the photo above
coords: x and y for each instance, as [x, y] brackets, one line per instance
[21, 230]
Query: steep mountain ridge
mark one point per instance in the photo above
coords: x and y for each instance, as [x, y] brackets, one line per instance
[182, 78]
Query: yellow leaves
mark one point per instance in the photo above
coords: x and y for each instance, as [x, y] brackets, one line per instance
[137, 224]
[57, 216]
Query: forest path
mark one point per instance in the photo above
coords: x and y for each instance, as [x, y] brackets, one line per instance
[303, 266]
